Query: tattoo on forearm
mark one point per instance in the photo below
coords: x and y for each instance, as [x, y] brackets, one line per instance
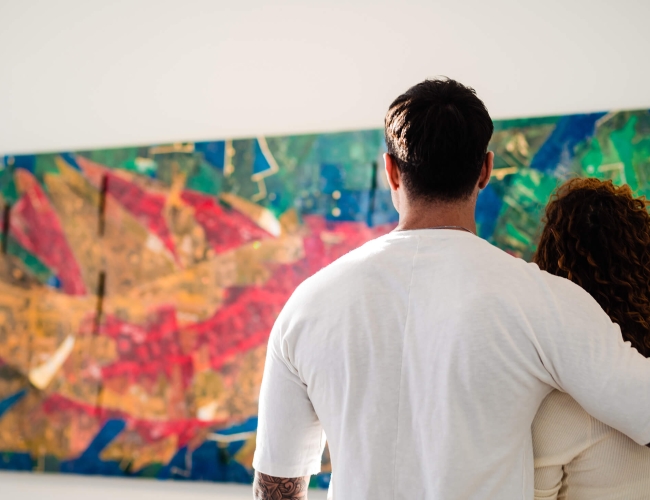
[280, 488]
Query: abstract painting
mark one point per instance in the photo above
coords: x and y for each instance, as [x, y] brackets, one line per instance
[138, 286]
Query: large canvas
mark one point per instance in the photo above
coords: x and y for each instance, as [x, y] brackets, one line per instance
[138, 286]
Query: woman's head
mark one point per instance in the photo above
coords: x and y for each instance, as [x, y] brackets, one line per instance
[598, 236]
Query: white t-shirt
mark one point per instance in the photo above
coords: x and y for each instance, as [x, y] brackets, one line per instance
[424, 356]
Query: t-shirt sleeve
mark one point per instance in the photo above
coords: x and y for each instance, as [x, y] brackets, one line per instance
[586, 356]
[290, 438]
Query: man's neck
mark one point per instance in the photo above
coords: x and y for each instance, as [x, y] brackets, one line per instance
[435, 214]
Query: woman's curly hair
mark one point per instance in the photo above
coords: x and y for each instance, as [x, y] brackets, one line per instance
[597, 235]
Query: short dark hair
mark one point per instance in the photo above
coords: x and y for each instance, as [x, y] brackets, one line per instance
[438, 133]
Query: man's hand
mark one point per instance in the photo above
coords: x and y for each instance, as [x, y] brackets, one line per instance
[279, 488]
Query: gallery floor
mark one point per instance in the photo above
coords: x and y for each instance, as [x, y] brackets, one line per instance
[28, 486]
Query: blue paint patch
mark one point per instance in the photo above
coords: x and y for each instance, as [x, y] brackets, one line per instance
[71, 160]
[249, 425]
[352, 206]
[360, 205]
[28, 162]
[206, 463]
[323, 480]
[176, 468]
[213, 152]
[89, 461]
[8, 402]
[16, 461]
[209, 462]
[488, 208]
[332, 178]
[260, 163]
[560, 145]
[383, 212]
[212, 461]
[54, 282]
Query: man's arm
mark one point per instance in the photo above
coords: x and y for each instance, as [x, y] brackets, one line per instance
[280, 488]
[586, 356]
[290, 440]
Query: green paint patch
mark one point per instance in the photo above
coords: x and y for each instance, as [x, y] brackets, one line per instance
[115, 158]
[8, 186]
[151, 470]
[622, 142]
[32, 263]
[508, 124]
[142, 166]
[205, 179]
[45, 164]
[519, 222]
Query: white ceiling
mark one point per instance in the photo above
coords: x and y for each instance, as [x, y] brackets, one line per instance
[89, 73]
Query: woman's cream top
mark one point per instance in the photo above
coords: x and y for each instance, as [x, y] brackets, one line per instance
[579, 458]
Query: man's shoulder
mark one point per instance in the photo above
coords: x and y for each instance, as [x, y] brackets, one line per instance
[344, 276]
[559, 287]
[506, 269]
[558, 300]
[347, 267]
[527, 280]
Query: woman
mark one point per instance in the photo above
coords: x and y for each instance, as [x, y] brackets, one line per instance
[598, 236]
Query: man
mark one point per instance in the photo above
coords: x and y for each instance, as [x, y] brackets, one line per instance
[425, 354]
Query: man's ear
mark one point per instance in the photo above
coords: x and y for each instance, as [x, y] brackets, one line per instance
[486, 170]
[392, 172]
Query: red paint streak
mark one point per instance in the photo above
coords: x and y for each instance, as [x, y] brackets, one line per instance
[147, 351]
[35, 225]
[243, 323]
[145, 206]
[224, 229]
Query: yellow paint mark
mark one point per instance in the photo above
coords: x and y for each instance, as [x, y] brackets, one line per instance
[501, 173]
[229, 152]
[172, 148]
[259, 177]
[263, 217]
[245, 454]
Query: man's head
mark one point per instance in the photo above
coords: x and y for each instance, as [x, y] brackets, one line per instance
[437, 134]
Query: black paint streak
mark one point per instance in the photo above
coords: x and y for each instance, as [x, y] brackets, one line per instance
[102, 205]
[373, 190]
[101, 286]
[6, 218]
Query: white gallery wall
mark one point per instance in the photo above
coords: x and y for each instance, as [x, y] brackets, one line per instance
[89, 73]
